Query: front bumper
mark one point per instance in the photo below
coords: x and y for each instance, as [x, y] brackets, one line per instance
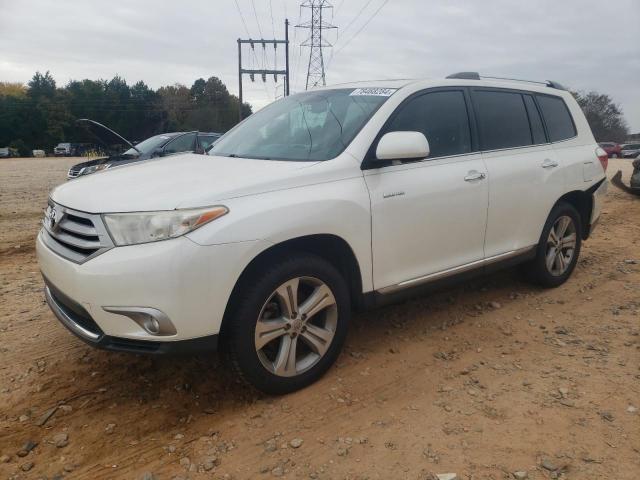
[79, 322]
[189, 283]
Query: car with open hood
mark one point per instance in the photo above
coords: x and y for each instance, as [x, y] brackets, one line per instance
[162, 145]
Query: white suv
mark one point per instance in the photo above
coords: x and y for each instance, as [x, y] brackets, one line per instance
[323, 202]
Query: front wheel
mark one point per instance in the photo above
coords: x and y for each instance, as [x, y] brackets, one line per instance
[559, 247]
[289, 325]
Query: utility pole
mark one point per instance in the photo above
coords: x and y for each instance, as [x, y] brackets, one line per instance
[316, 41]
[263, 72]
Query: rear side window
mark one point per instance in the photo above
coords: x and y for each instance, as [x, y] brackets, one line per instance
[537, 129]
[557, 117]
[503, 120]
[442, 117]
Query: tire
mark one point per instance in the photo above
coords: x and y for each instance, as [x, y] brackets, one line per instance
[265, 323]
[548, 272]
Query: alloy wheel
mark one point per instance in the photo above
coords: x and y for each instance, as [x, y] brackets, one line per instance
[296, 326]
[561, 245]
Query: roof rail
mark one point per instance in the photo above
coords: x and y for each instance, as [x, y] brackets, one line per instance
[477, 76]
[465, 76]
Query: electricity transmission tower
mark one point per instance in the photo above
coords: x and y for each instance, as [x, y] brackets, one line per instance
[316, 41]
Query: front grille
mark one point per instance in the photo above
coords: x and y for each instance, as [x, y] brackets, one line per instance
[74, 172]
[74, 235]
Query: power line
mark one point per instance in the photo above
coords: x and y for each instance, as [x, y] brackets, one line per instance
[297, 60]
[273, 27]
[242, 18]
[253, 4]
[353, 20]
[246, 29]
[361, 29]
[344, 30]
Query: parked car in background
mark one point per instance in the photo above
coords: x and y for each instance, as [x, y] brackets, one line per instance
[613, 149]
[329, 200]
[157, 146]
[630, 150]
[7, 152]
[62, 150]
[38, 153]
[67, 149]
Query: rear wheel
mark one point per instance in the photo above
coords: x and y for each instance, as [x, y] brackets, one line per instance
[559, 247]
[289, 324]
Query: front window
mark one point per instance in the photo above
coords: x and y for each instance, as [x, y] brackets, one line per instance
[207, 140]
[148, 145]
[184, 143]
[311, 126]
[441, 117]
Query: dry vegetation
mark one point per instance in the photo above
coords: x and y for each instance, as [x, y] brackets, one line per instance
[486, 379]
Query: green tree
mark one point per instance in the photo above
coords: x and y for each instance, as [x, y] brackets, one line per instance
[41, 114]
[42, 85]
[604, 116]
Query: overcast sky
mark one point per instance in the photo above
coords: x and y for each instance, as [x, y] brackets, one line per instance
[584, 44]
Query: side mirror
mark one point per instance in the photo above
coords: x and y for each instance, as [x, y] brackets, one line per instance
[403, 146]
[158, 152]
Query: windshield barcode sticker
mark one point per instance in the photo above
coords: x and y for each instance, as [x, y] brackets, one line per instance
[373, 92]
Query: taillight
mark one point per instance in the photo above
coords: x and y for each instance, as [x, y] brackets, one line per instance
[603, 157]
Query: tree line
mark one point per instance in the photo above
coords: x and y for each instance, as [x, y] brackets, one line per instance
[41, 114]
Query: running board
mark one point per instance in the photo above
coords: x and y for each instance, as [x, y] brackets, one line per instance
[432, 277]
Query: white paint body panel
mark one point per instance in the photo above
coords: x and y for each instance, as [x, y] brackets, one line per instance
[522, 193]
[426, 217]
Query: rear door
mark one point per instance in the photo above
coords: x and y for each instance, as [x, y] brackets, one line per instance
[525, 174]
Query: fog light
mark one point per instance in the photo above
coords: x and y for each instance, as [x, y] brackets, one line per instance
[151, 325]
[152, 320]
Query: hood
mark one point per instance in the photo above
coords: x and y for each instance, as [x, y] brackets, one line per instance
[103, 134]
[179, 181]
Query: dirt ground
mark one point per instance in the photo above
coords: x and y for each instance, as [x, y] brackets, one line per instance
[487, 379]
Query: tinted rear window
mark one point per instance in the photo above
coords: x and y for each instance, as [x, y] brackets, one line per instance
[557, 117]
[503, 120]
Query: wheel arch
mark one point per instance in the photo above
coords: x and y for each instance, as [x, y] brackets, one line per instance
[582, 201]
[330, 247]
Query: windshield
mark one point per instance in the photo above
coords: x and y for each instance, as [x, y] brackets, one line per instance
[207, 140]
[148, 145]
[310, 126]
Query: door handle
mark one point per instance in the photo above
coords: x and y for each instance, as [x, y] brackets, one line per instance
[549, 163]
[474, 175]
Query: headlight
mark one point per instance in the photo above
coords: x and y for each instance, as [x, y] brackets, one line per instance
[94, 168]
[144, 227]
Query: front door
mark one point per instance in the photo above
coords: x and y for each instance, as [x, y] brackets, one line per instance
[429, 216]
